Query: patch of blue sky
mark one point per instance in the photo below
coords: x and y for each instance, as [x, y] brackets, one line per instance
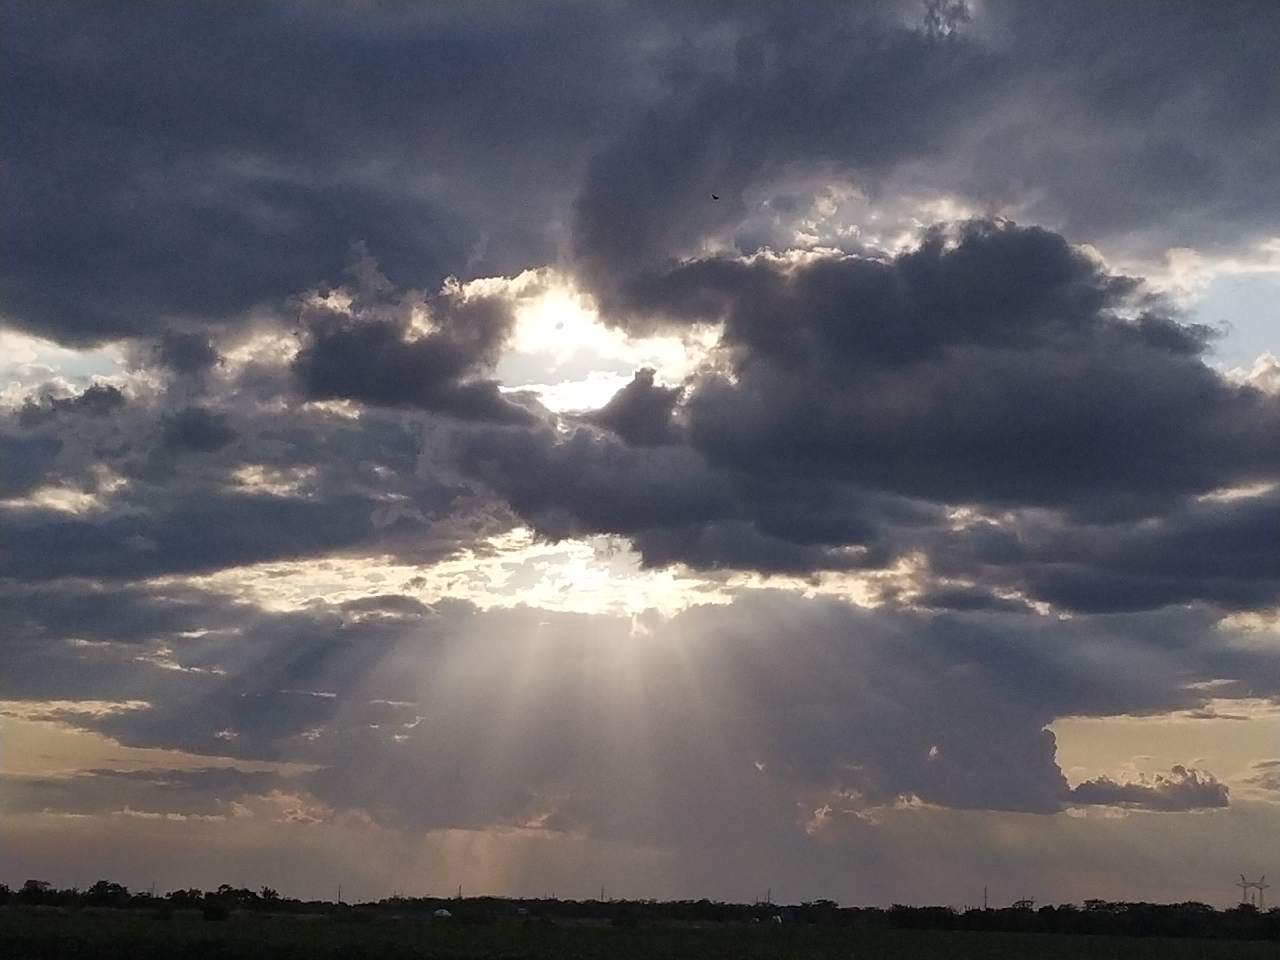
[1247, 307]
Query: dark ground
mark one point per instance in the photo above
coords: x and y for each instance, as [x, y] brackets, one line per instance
[37, 933]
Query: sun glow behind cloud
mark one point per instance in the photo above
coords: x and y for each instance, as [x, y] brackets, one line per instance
[596, 575]
[600, 575]
[562, 350]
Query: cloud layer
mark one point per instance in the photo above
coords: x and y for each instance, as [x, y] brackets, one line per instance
[940, 461]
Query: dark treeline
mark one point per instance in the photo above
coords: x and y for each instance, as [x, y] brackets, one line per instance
[1096, 917]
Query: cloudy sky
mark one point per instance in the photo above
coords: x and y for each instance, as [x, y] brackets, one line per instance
[411, 475]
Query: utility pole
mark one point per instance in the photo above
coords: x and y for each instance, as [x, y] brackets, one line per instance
[984, 896]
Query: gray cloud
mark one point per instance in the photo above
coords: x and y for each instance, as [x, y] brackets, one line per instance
[1183, 789]
[832, 87]
[205, 792]
[1200, 549]
[24, 460]
[995, 367]
[641, 412]
[994, 371]
[169, 486]
[209, 531]
[372, 358]
[97, 400]
[907, 105]
[186, 353]
[145, 183]
[1183, 145]
[1265, 774]
[196, 430]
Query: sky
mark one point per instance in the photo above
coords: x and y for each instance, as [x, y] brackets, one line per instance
[686, 449]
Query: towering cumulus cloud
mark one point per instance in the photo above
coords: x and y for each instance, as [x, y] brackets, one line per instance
[695, 448]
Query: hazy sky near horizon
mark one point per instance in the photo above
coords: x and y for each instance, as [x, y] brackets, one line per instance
[411, 474]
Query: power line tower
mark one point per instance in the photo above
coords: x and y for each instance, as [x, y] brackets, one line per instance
[1252, 891]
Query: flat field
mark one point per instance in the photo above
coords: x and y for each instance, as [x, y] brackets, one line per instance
[46, 934]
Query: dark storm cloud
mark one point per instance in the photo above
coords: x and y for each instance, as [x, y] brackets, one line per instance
[822, 86]
[995, 367]
[165, 486]
[991, 371]
[96, 401]
[181, 508]
[641, 412]
[376, 361]
[143, 180]
[86, 282]
[1219, 550]
[969, 598]
[1183, 789]
[186, 353]
[24, 461]
[588, 481]
[196, 430]
[52, 613]
[673, 505]
[210, 531]
[1167, 135]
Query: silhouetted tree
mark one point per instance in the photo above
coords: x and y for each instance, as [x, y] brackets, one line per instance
[35, 891]
[185, 898]
[104, 893]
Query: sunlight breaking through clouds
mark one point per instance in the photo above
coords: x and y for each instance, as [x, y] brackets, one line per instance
[602, 575]
[698, 448]
[558, 334]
